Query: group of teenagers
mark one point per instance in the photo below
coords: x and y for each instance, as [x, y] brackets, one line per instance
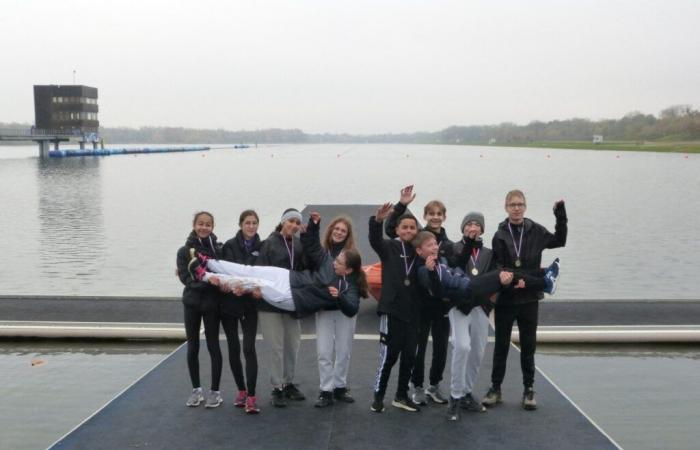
[430, 286]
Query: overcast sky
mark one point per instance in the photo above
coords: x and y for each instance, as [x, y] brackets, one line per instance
[360, 66]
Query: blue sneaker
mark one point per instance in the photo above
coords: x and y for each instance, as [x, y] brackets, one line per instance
[550, 277]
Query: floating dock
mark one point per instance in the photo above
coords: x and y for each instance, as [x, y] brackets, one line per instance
[122, 151]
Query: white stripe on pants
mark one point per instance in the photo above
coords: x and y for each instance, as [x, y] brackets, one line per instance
[283, 333]
[469, 335]
[273, 281]
[334, 331]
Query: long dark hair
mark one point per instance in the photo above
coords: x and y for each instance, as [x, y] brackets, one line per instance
[353, 260]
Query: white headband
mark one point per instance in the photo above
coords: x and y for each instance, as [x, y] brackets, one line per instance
[293, 214]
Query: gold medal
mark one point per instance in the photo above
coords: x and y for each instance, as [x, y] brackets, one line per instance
[518, 263]
[407, 282]
[475, 271]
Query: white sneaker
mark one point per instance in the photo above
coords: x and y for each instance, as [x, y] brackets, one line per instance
[196, 397]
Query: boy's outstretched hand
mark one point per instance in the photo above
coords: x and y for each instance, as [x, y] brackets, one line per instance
[506, 277]
[560, 209]
[383, 212]
[407, 195]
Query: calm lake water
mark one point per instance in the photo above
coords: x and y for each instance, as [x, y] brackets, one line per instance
[112, 225]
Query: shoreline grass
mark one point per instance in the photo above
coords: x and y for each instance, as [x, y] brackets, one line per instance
[633, 146]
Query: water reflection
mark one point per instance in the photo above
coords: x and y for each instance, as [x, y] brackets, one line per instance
[59, 347]
[71, 229]
[684, 351]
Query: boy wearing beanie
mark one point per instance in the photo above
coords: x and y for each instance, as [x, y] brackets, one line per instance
[469, 324]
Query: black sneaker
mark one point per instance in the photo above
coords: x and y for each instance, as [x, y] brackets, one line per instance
[492, 398]
[343, 395]
[453, 409]
[278, 399]
[529, 403]
[405, 403]
[468, 403]
[378, 403]
[293, 393]
[325, 398]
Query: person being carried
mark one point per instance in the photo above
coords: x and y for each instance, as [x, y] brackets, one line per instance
[335, 282]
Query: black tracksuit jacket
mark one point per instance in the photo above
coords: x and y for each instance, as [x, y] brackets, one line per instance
[198, 294]
[274, 253]
[536, 238]
[234, 250]
[397, 299]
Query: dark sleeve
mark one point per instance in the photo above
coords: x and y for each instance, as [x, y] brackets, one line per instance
[376, 239]
[390, 225]
[310, 240]
[460, 255]
[228, 253]
[500, 252]
[349, 300]
[558, 239]
[183, 274]
[264, 255]
[430, 280]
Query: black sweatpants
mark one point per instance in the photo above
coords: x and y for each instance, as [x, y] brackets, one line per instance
[193, 320]
[526, 315]
[396, 339]
[432, 319]
[249, 326]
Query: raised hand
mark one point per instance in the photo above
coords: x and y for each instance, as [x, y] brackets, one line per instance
[384, 211]
[407, 195]
[315, 217]
[559, 209]
[430, 262]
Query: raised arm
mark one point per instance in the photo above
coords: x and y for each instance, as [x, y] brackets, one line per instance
[558, 239]
[406, 197]
[376, 238]
[311, 240]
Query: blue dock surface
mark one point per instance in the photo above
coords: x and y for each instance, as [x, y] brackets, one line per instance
[152, 413]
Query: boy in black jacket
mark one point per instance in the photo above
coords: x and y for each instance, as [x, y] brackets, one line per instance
[398, 306]
[432, 317]
[517, 246]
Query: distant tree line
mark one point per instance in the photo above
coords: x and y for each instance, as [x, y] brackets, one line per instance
[675, 123]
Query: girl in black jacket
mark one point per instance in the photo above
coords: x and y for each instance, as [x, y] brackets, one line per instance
[201, 302]
[244, 248]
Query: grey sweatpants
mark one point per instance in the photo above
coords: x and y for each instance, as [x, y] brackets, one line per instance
[283, 333]
[334, 332]
[469, 335]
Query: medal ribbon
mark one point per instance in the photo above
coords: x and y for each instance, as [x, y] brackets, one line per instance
[289, 252]
[475, 256]
[405, 258]
[520, 244]
[340, 285]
